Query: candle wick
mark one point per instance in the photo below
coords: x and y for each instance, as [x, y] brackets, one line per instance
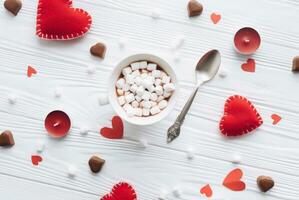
[246, 41]
[56, 124]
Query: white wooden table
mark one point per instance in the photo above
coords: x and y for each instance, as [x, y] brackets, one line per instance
[273, 88]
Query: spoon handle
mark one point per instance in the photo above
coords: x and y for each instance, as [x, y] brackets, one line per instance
[174, 131]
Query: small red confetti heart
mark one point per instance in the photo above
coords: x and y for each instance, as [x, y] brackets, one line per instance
[215, 18]
[36, 159]
[117, 130]
[31, 71]
[233, 180]
[206, 190]
[121, 191]
[276, 118]
[240, 117]
[249, 66]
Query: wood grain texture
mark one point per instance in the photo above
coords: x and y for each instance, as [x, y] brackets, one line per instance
[271, 150]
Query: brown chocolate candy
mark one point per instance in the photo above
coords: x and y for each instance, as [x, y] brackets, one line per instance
[96, 164]
[194, 8]
[265, 183]
[13, 6]
[296, 64]
[6, 139]
[98, 50]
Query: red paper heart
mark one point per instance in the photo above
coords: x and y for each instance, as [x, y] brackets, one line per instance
[206, 190]
[233, 180]
[215, 18]
[117, 130]
[36, 159]
[240, 117]
[31, 71]
[276, 118]
[121, 191]
[58, 20]
[249, 66]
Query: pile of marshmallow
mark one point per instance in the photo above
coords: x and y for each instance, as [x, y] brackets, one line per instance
[144, 89]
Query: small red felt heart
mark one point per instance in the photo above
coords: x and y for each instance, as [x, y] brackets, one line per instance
[206, 190]
[31, 71]
[58, 20]
[117, 130]
[240, 117]
[36, 159]
[215, 18]
[276, 118]
[249, 66]
[121, 191]
[233, 180]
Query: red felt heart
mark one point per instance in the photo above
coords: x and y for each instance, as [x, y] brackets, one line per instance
[58, 20]
[36, 159]
[240, 117]
[206, 190]
[121, 191]
[31, 71]
[233, 180]
[249, 66]
[117, 130]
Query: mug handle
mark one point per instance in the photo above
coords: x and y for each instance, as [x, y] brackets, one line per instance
[103, 99]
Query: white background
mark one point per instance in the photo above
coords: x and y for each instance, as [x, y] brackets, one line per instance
[273, 88]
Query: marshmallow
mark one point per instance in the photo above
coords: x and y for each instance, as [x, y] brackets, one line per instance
[135, 104]
[158, 81]
[178, 42]
[143, 143]
[155, 110]
[103, 99]
[138, 98]
[154, 103]
[151, 88]
[129, 98]
[120, 92]
[130, 79]
[163, 104]
[72, 170]
[126, 87]
[143, 65]
[151, 67]
[147, 83]
[236, 158]
[126, 71]
[163, 74]
[122, 42]
[165, 79]
[190, 153]
[135, 66]
[135, 73]
[177, 192]
[144, 75]
[166, 94]
[121, 100]
[159, 90]
[138, 80]
[154, 97]
[169, 87]
[138, 112]
[156, 73]
[160, 98]
[83, 130]
[91, 69]
[58, 92]
[146, 95]
[120, 83]
[40, 146]
[145, 112]
[12, 99]
[126, 107]
[146, 104]
[155, 14]
[133, 88]
[222, 73]
[140, 91]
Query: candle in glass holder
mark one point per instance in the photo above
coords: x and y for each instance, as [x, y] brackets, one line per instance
[57, 124]
[247, 40]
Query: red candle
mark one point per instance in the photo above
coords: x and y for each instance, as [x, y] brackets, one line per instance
[57, 123]
[247, 40]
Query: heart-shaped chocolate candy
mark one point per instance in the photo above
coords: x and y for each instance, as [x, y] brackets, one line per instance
[6, 139]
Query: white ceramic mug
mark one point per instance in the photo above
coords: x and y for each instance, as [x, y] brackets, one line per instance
[112, 96]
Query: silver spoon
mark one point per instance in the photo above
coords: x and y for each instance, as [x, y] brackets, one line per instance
[207, 67]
